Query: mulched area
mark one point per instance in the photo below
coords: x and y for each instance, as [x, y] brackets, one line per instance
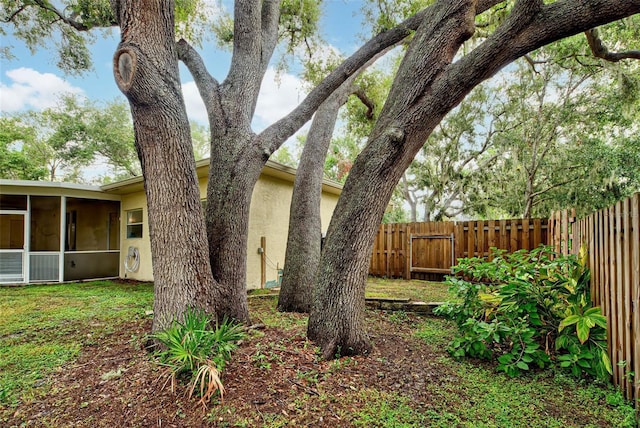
[274, 375]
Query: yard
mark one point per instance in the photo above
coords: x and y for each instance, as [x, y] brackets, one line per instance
[72, 355]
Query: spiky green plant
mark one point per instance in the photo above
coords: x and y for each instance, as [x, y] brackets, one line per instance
[195, 351]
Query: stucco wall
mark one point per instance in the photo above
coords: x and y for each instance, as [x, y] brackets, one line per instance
[134, 201]
[269, 217]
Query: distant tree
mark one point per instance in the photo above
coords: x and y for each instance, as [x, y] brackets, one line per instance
[15, 162]
[201, 140]
[66, 138]
[60, 141]
[556, 146]
[109, 134]
[458, 153]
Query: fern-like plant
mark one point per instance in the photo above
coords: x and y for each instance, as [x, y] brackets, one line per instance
[194, 351]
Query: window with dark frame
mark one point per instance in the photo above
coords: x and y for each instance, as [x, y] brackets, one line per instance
[134, 224]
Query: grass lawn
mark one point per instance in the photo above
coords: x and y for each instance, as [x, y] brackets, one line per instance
[44, 327]
[417, 291]
[72, 355]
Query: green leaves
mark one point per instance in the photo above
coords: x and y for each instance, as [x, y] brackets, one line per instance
[191, 348]
[517, 306]
[584, 322]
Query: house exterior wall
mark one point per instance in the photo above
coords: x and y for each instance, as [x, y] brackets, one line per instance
[101, 238]
[269, 218]
[135, 201]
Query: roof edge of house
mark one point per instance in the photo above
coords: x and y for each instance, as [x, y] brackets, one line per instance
[50, 184]
[271, 168]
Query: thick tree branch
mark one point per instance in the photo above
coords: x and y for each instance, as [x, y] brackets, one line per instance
[255, 35]
[208, 87]
[368, 102]
[272, 137]
[270, 20]
[599, 50]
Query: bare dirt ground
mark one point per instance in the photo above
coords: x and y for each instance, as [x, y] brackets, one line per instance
[274, 379]
[275, 375]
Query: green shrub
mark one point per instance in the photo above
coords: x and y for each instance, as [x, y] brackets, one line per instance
[195, 352]
[529, 308]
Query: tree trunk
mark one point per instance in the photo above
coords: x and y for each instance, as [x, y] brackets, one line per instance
[232, 178]
[146, 71]
[305, 229]
[429, 83]
[336, 322]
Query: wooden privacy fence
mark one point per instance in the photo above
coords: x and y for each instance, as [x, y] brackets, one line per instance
[612, 236]
[421, 250]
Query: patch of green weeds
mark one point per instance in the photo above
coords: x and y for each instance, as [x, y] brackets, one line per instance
[386, 410]
[265, 356]
[309, 376]
[340, 363]
[436, 331]
[46, 326]
[398, 317]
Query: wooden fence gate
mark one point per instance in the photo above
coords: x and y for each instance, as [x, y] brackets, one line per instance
[431, 253]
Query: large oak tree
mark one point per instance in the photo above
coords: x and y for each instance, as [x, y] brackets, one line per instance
[207, 270]
[431, 80]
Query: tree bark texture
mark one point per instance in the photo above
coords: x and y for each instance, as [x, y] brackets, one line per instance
[237, 154]
[146, 71]
[428, 85]
[305, 229]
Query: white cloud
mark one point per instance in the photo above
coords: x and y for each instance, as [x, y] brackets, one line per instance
[279, 94]
[193, 101]
[30, 89]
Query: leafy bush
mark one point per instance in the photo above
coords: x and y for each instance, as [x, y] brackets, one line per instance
[529, 308]
[195, 352]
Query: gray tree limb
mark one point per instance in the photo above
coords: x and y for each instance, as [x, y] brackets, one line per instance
[599, 50]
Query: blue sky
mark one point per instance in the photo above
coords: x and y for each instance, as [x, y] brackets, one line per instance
[33, 82]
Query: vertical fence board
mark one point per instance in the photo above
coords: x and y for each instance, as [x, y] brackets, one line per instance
[591, 246]
[604, 292]
[614, 302]
[471, 239]
[491, 235]
[635, 280]
[627, 295]
[481, 238]
[619, 294]
[537, 233]
[459, 240]
[526, 243]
